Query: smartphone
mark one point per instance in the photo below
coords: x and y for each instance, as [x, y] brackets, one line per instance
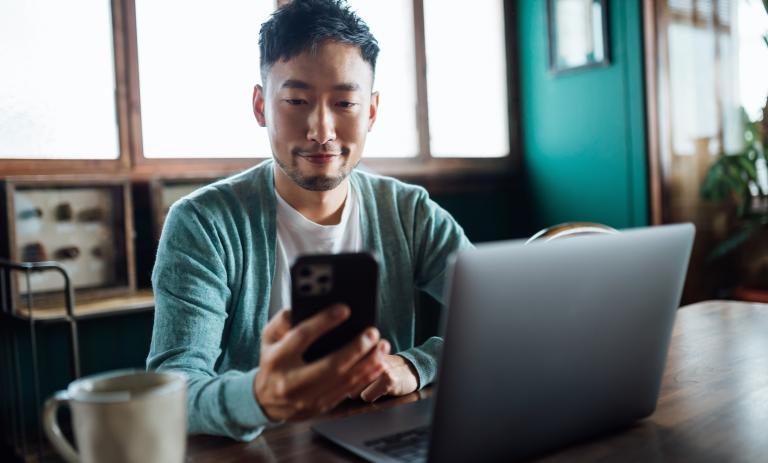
[322, 280]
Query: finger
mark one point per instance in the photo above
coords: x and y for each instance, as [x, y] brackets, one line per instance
[330, 401]
[326, 395]
[361, 376]
[316, 382]
[379, 388]
[277, 327]
[355, 394]
[384, 348]
[341, 361]
[301, 336]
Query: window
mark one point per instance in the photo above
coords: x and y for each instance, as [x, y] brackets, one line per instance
[391, 22]
[715, 64]
[57, 86]
[710, 71]
[198, 62]
[188, 70]
[466, 79]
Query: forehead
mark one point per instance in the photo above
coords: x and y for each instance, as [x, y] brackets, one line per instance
[330, 64]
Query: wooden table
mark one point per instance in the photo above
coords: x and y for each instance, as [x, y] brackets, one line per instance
[713, 404]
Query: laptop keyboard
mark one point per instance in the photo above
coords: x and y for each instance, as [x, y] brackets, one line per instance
[408, 446]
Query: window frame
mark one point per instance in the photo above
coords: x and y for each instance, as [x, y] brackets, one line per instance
[35, 166]
[656, 17]
[131, 158]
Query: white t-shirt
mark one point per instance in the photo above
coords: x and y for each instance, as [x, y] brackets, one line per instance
[297, 235]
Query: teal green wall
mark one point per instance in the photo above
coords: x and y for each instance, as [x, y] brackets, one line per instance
[584, 133]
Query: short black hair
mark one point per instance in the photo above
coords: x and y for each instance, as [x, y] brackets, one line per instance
[302, 25]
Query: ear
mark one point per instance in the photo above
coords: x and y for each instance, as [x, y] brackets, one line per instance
[374, 110]
[258, 105]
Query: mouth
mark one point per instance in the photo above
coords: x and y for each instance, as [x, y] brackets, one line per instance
[319, 158]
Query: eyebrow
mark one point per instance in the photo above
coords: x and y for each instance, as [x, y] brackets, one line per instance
[292, 83]
[344, 87]
[347, 87]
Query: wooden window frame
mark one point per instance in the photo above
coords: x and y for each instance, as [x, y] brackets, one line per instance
[131, 160]
[9, 167]
[656, 16]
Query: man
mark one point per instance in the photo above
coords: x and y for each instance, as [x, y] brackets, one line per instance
[222, 267]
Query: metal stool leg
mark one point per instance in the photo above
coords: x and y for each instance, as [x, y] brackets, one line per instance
[19, 396]
[35, 365]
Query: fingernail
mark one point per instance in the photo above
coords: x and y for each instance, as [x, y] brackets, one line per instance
[384, 346]
[372, 334]
[340, 311]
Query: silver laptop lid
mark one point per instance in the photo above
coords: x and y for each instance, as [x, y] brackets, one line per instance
[549, 343]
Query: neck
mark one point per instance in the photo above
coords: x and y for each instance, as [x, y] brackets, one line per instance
[321, 207]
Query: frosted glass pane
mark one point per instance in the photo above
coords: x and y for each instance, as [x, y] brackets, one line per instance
[753, 57]
[57, 84]
[395, 133]
[466, 78]
[198, 63]
[693, 89]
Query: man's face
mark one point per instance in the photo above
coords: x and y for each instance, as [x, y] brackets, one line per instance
[318, 108]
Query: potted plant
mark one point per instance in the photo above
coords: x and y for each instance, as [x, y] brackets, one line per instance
[739, 182]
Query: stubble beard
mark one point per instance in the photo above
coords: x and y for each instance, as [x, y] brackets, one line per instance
[315, 182]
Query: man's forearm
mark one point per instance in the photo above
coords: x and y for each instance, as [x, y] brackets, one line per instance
[223, 405]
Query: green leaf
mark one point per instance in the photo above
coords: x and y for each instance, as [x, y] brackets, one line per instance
[712, 189]
[734, 177]
[751, 129]
[748, 166]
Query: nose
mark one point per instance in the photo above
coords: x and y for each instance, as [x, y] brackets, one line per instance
[321, 125]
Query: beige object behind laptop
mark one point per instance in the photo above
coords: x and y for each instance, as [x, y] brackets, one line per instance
[123, 416]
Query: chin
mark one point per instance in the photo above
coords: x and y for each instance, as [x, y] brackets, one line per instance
[320, 182]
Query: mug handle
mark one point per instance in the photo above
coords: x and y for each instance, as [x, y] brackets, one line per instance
[52, 429]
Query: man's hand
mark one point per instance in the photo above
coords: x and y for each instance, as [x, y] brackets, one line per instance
[287, 388]
[399, 378]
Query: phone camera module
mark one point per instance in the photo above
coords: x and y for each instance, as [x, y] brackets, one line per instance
[306, 290]
[315, 280]
[305, 271]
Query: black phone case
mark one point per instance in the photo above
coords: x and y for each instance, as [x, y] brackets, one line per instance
[319, 281]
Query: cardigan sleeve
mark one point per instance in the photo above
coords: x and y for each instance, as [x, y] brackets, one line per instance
[437, 235]
[191, 299]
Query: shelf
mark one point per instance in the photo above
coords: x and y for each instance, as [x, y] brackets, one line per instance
[142, 300]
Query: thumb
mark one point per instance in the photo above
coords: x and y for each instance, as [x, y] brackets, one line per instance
[277, 327]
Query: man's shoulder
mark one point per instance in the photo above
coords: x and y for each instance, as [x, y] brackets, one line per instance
[382, 185]
[234, 192]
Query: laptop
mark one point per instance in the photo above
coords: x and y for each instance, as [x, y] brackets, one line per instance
[546, 344]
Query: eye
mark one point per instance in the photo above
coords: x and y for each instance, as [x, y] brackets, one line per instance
[346, 104]
[295, 101]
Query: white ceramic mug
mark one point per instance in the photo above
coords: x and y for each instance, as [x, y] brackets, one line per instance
[122, 416]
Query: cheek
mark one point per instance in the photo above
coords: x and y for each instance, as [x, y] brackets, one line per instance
[286, 125]
[353, 129]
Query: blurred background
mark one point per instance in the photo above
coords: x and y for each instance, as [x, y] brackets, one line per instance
[515, 115]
